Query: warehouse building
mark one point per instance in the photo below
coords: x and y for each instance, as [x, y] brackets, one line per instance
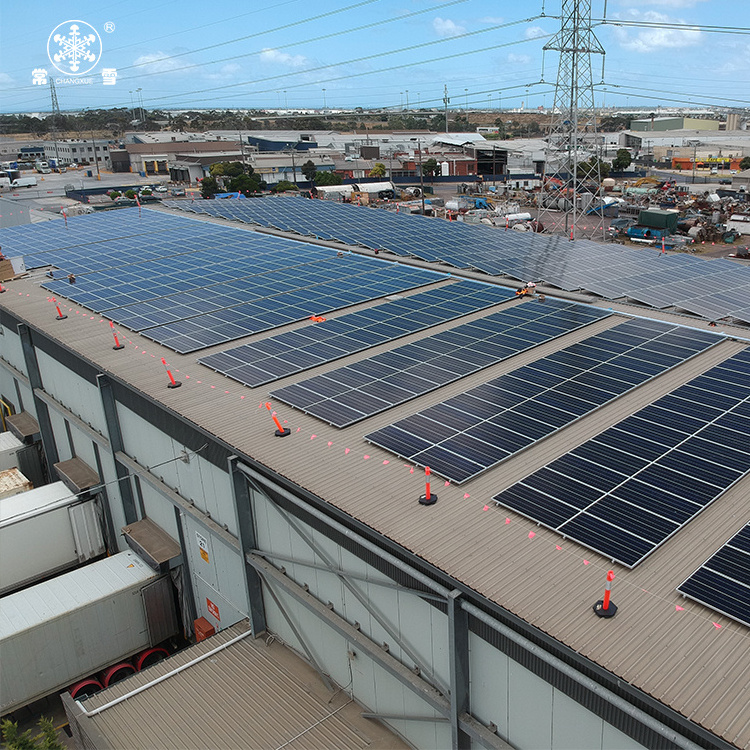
[273, 406]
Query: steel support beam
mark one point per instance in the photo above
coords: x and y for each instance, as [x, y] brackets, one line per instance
[187, 577]
[376, 615]
[115, 443]
[42, 413]
[458, 643]
[361, 643]
[243, 509]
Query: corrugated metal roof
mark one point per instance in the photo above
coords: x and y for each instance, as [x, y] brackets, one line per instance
[678, 656]
[252, 694]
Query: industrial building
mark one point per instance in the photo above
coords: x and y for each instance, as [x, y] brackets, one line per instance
[277, 377]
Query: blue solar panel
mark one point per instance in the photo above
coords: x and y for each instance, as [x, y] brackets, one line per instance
[610, 271]
[723, 581]
[273, 358]
[465, 435]
[190, 284]
[360, 390]
[626, 491]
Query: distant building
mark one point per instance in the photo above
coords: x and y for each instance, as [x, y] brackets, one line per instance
[674, 123]
[80, 151]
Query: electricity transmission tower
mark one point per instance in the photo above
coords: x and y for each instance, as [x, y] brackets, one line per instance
[571, 183]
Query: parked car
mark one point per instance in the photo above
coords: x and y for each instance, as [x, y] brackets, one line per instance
[725, 181]
[160, 189]
[178, 191]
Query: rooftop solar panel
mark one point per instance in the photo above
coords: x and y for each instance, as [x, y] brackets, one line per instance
[723, 581]
[611, 271]
[352, 393]
[626, 491]
[467, 434]
[293, 351]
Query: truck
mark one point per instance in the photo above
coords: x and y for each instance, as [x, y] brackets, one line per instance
[46, 531]
[66, 631]
[43, 167]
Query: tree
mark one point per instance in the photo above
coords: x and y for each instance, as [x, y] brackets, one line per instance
[229, 169]
[328, 178]
[378, 170]
[622, 160]
[587, 169]
[309, 169]
[245, 184]
[430, 168]
[209, 187]
[130, 194]
[114, 194]
[282, 186]
[47, 740]
[745, 163]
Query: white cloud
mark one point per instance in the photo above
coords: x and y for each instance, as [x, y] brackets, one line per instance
[534, 32]
[5, 80]
[514, 59]
[275, 57]
[656, 39]
[225, 73]
[160, 62]
[446, 27]
[492, 19]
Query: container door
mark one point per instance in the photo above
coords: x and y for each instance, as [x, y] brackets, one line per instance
[158, 602]
[87, 531]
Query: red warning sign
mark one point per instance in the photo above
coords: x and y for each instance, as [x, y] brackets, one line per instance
[213, 609]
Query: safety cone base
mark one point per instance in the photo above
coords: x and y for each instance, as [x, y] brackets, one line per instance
[176, 384]
[599, 610]
[118, 347]
[60, 317]
[283, 433]
[431, 500]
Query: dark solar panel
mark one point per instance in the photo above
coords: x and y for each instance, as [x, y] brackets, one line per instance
[293, 351]
[611, 271]
[360, 390]
[626, 491]
[465, 435]
[723, 581]
[189, 284]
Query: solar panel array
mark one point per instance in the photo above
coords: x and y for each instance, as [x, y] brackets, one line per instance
[294, 351]
[188, 284]
[723, 581]
[711, 288]
[626, 491]
[364, 388]
[469, 433]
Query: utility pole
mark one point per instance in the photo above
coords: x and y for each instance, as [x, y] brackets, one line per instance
[446, 102]
[695, 145]
[573, 121]
[421, 176]
[56, 117]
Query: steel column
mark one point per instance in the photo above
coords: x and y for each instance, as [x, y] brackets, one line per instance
[243, 510]
[42, 413]
[115, 444]
[458, 643]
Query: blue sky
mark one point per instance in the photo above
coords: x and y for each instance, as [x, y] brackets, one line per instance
[186, 54]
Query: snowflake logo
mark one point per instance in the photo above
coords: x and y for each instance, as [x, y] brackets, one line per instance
[74, 47]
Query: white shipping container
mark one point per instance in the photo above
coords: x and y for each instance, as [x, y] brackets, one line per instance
[43, 532]
[72, 626]
[9, 447]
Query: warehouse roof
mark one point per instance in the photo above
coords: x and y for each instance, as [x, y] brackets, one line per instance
[282, 702]
[550, 582]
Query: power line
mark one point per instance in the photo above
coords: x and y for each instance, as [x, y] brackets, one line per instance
[291, 44]
[284, 27]
[370, 57]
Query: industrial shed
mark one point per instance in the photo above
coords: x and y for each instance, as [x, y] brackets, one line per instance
[468, 622]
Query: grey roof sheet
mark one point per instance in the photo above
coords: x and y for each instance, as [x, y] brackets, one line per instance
[280, 700]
